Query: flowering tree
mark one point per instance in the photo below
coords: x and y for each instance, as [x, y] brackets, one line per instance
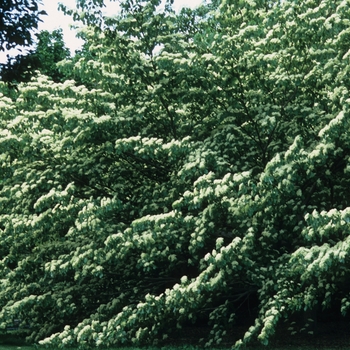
[202, 158]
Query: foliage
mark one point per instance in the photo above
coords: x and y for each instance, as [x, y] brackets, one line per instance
[17, 20]
[202, 158]
[50, 49]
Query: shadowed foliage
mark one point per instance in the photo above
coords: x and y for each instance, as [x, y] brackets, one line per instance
[17, 20]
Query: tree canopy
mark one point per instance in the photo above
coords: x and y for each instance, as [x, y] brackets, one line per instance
[192, 161]
[17, 20]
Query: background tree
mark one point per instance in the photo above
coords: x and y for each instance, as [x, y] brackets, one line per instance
[17, 20]
[201, 160]
[50, 49]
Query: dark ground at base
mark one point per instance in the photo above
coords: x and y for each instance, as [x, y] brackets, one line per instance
[328, 335]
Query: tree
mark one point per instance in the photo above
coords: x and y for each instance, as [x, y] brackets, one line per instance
[49, 51]
[203, 159]
[17, 20]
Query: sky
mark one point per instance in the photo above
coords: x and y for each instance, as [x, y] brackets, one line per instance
[56, 19]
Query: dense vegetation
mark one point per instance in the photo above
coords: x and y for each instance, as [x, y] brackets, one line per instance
[189, 162]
